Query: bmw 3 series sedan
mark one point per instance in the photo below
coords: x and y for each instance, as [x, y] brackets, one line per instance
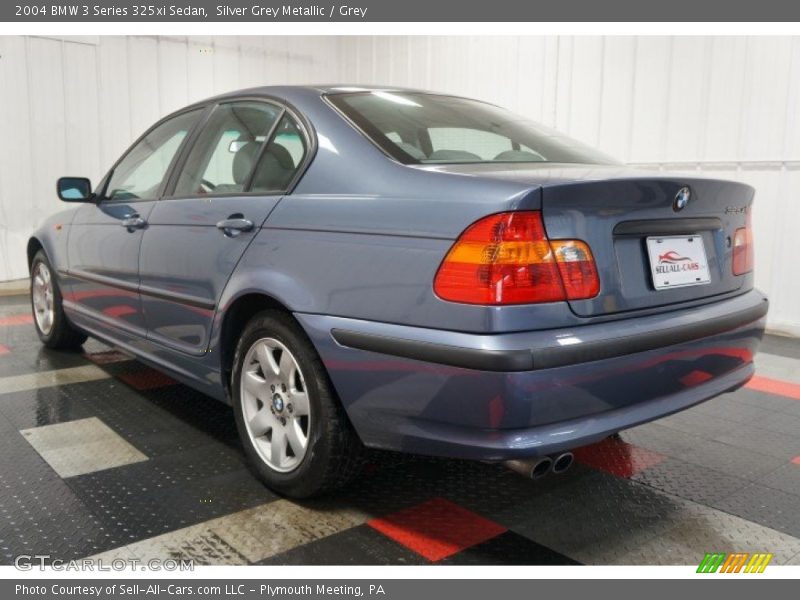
[356, 268]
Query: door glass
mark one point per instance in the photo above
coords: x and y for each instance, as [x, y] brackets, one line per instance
[281, 159]
[222, 159]
[139, 175]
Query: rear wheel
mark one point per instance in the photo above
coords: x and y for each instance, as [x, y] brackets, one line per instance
[52, 325]
[292, 427]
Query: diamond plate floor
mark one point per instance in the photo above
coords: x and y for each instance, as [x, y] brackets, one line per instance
[100, 455]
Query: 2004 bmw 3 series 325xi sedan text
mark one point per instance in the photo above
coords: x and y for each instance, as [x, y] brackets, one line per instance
[382, 268]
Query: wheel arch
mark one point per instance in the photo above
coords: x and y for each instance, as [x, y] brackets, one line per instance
[234, 319]
[34, 245]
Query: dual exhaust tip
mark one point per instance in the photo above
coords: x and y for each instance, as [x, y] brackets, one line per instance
[536, 468]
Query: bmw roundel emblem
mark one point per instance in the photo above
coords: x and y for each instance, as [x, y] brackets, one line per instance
[681, 199]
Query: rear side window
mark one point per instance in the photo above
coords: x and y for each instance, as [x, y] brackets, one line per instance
[429, 129]
[281, 159]
[224, 154]
[138, 176]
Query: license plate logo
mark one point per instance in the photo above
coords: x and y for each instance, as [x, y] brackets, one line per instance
[677, 261]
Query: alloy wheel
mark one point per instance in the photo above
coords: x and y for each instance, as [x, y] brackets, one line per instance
[275, 404]
[43, 299]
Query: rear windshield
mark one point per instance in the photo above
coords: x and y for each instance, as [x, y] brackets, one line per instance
[417, 128]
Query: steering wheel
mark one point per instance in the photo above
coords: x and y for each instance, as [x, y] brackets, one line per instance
[206, 183]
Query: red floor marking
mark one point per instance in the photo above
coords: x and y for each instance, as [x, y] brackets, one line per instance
[147, 379]
[4, 350]
[796, 460]
[617, 457]
[774, 386]
[437, 528]
[24, 319]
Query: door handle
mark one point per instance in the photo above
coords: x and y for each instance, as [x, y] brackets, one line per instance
[133, 222]
[235, 226]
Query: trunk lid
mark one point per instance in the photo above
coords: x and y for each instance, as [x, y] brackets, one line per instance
[616, 209]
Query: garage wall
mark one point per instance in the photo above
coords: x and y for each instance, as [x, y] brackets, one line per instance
[720, 106]
[72, 105]
[717, 106]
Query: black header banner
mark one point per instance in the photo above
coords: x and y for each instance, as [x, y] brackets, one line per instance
[398, 10]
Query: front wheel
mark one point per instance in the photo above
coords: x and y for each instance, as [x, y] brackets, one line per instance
[293, 429]
[52, 326]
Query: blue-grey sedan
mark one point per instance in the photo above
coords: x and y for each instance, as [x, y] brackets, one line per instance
[358, 268]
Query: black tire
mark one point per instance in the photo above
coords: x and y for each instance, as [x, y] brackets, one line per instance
[334, 453]
[62, 335]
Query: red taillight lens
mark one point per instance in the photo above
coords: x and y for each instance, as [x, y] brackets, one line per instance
[743, 249]
[507, 259]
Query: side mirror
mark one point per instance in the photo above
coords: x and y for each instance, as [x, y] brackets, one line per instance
[75, 189]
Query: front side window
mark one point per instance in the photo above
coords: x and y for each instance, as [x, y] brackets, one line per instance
[418, 128]
[139, 175]
[223, 157]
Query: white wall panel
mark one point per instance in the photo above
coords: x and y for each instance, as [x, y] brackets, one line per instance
[726, 97]
[200, 68]
[686, 98]
[530, 73]
[114, 100]
[45, 127]
[143, 82]
[616, 102]
[173, 73]
[18, 212]
[652, 71]
[226, 66]
[586, 92]
[767, 64]
[82, 129]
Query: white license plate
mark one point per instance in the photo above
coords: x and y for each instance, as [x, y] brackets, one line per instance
[677, 261]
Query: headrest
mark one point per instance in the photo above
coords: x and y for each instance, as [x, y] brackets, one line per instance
[454, 155]
[275, 170]
[412, 150]
[519, 156]
[243, 161]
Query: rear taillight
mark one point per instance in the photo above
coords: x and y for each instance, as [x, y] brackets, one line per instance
[743, 248]
[506, 258]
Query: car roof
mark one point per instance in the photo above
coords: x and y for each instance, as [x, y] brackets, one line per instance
[289, 91]
[332, 88]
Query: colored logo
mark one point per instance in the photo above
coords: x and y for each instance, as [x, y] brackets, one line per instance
[681, 199]
[737, 562]
[672, 257]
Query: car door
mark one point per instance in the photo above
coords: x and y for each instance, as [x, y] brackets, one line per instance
[238, 168]
[105, 237]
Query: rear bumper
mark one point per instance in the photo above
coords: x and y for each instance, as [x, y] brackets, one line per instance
[494, 397]
[561, 349]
